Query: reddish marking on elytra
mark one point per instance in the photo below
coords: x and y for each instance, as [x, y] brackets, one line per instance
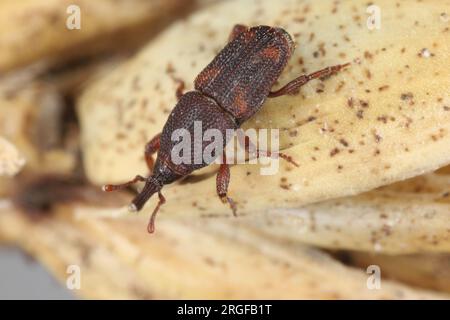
[271, 53]
[207, 76]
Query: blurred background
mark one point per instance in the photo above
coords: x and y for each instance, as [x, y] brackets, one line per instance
[24, 278]
[52, 48]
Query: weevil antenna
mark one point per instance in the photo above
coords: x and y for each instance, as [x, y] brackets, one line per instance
[151, 223]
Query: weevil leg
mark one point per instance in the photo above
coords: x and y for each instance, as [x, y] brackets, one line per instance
[222, 182]
[253, 151]
[293, 86]
[151, 223]
[150, 148]
[113, 187]
[237, 29]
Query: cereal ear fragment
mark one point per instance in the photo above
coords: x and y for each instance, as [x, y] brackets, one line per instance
[406, 217]
[431, 271]
[118, 260]
[384, 119]
[403, 218]
[383, 222]
[65, 249]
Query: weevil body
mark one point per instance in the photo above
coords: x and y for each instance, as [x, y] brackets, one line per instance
[229, 91]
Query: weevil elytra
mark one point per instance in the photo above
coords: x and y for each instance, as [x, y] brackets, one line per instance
[230, 90]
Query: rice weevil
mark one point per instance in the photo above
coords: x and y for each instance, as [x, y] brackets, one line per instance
[230, 90]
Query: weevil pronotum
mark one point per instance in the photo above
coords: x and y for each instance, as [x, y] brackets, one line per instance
[230, 90]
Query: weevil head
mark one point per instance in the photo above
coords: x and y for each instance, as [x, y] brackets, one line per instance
[152, 186]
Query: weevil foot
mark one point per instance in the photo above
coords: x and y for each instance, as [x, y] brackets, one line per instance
[231, 202]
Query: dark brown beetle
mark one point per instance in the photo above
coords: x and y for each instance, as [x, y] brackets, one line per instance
[230, 90]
